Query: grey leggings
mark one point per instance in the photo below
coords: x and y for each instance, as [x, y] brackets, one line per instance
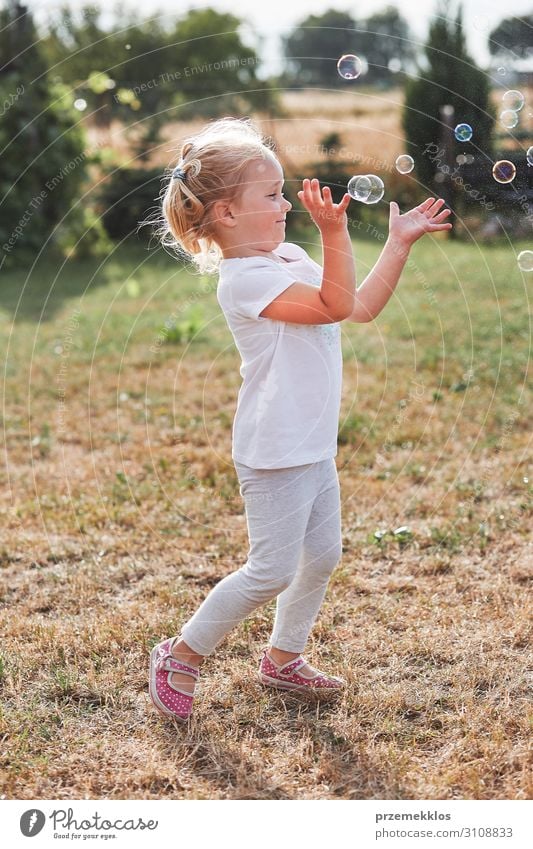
[294, 528]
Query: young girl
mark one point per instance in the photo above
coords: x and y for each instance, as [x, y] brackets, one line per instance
[225, 208]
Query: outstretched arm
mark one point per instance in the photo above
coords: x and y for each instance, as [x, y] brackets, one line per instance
[303, 303]
[338, 265]
[404, 230]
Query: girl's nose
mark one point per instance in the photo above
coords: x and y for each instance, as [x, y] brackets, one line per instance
[288, 204]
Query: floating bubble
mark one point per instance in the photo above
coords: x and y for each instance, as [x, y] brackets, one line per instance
[502, 71]
[464, 159]
[463, 132]
[504, 171]
[359, 188]
[349, 66]
[405, 163]
[377, 191]
[509, 118]
[525, 260]
[513, 100]
[80, 104]
[529, 155]
[394, 65]
[366, 188]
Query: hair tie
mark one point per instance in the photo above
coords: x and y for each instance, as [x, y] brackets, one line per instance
[194, 167]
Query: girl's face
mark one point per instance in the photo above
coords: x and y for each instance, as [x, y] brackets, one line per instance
[261, 208]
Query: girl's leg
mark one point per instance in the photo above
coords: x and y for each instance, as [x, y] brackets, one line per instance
[181, 651]
[297, 607]
[278, 504]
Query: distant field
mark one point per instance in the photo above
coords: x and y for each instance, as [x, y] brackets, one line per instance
[120, 508]
[368, 121]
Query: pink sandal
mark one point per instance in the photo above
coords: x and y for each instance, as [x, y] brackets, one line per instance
[287, 677]
[167, 698]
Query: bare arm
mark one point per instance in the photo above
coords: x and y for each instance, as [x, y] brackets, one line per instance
[404, 230]
[338, 275]
[379, 284]
[302, 303]
[338, 266]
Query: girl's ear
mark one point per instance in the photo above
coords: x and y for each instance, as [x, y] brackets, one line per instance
[223, 215]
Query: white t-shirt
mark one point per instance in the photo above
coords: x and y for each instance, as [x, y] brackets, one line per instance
[289, 401]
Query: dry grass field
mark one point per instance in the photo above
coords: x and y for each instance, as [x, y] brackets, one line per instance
[120, 509]
[368, 122]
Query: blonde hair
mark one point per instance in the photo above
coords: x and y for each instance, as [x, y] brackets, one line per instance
[213, 163]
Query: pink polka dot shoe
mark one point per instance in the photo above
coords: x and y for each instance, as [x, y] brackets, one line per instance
[287, 676]
[169, 699]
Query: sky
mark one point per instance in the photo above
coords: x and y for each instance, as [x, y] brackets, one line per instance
[273, 18]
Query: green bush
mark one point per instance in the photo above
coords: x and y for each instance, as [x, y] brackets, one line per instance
[44, 153]
[126, 197]
[451, 78]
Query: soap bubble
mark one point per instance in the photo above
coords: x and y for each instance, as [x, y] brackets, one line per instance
[525, 261]
[529, 155]
[359, 188]
[504, 171]
[366, 188]
[513, 100]
[463, 132]
[502, 71]
[509, 118]
[405, 163]
[394, 65]
[349, 66]
[464, 159]
[377, 191]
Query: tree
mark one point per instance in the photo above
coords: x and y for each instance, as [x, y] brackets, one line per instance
[314, 46]
[198, 64]
[385, 38]
[43, 152]
[451, 78]
[79, 49]
[512, 36]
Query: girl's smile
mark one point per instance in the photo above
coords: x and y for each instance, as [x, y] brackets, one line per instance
[254, 224]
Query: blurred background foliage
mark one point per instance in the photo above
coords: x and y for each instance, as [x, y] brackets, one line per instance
[72, 77]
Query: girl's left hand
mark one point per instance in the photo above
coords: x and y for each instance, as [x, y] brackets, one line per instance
[427, 217]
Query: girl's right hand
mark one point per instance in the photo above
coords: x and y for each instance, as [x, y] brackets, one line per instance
[329, 217]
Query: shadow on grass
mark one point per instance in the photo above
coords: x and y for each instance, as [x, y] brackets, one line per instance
[222, 762]
[37, 293]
